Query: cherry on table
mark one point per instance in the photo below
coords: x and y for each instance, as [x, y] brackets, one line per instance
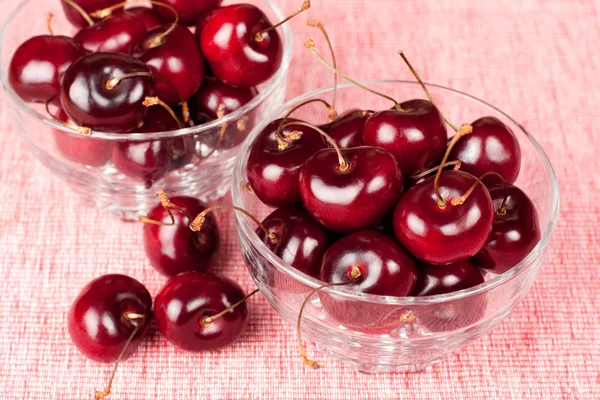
[171, 53]
[185, 306]
[202, 20]
[92, 99]
[171, 246]
[114, 34]
[441, 279]
[87, 6]
[188, 10]
[347, 129]
[38, 65]
[515, 230]
[105, 314]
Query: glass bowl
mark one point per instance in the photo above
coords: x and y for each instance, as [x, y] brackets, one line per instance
[400, 333]
[202, 169]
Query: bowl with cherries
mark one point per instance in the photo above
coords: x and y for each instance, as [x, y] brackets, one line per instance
[120, 98]
[393, 222]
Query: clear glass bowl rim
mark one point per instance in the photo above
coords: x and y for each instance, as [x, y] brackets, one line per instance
[273, 83]
[246, 228]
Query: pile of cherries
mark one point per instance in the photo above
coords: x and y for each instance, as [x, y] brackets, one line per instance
[197, 59]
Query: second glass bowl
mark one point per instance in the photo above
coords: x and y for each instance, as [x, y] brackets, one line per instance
[414, 332]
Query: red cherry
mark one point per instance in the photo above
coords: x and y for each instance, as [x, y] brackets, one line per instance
[89, 99]
[114, 34]
[202, 20]
[441, 279]
[105, 314]
[416, 135]
[173, 249]
[89, 6]
[385, 269]
[148, 161]
[174, 57]
[188, 10]
[229, 43]
[38, 65]
[515, 231]
[147, 16]
[81, 149]
[354, 196]
[443, 235]
[491, 147]
[347, 129]
[213, 93]
[273, 170]
[182, 306]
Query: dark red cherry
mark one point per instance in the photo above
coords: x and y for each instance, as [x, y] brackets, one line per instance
[177, 60]
[441, 279]
[114, 34]
[347, 129]
[85, 150]
[231, 48]
[90, 101]
[148, 161]
[355, 198]
[273, 172]
[38, 65]
[147, 16]
[187, 299]
[385, 269]
[443, 235]
[491, 147]
[173, 249]
[89, 6]
[104, 315]
[416, 136]
[201, 21]
[188, 10]
[514, 234]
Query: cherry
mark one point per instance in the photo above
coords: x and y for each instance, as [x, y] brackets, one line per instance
[171, 52]
[202, 20]
[98, 93]
[171, 246]
[441, 279]
[114, 34]
[414, 133]
[147, 16]
[105, 314]
[82, 150]
[491, 147]
[188, 10]
[347, 129]
[186, 308]
[213, 93]
[241, 45]
[302, 242]
[385, 269]
[274, 163]
[77, 10]
[436, 228]
[515, 230]
[148, 161]
[38, 65]
[352, 189]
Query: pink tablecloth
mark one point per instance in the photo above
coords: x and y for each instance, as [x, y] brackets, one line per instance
[536, 59]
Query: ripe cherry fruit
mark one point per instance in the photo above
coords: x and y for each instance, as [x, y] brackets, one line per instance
[114, 34]
[188, 10]
[77, 11]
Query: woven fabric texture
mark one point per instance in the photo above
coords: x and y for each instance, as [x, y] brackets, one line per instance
[537, 60]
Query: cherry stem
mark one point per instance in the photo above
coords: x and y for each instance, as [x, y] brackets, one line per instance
[305, 6]
[155, 41]
[113, 82]
[197, 223]
[319, 25]
[418, 78]
[84, 130]
[167, 205]
[354, 274]
[458, 201]
[155, 101]
[462, 131]
[332, 116]
[49, 18]
[207, 320]
[80, 10]
[221, 115]
[295, 135]
[457, 164]
[131, 317]
[310, 44]
[247, 187]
